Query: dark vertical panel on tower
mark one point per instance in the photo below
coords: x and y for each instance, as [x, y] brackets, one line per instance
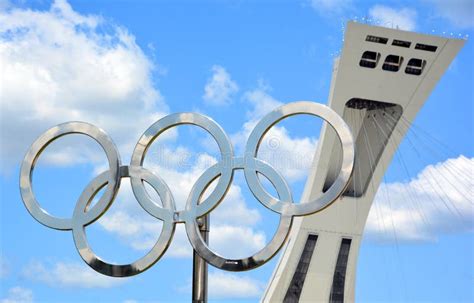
[337, 289]
[296, 285]
[377, 122]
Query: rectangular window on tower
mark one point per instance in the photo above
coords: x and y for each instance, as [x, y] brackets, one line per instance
[339, 278]
[296, 285]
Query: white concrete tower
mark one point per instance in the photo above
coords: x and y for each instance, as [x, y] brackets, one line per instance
[383, 76]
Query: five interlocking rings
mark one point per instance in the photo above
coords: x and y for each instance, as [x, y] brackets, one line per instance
[223, 171]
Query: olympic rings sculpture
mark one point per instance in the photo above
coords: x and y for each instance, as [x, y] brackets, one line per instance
[83, 214]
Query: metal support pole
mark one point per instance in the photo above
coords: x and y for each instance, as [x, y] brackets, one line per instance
[200, 266]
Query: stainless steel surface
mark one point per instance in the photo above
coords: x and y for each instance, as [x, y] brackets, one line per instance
[266, 253]
[28, 165]
[195, 208]
[156, 251]
[347, 142]
[224, 168]
[200, 281]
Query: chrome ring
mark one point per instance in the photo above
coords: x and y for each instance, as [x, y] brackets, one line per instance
[208, 125]
[28, 165]
[161, 245]
[223, 171]
[339, 185]
[266, 253]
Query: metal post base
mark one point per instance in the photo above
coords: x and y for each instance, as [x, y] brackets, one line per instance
[200, 266]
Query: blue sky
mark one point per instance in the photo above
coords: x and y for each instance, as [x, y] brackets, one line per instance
[122, 65]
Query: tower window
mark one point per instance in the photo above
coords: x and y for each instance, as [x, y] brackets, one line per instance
[401, 43]
[415, 66]
[296, 285]
[392, 63]
[337, 289]
[426, 47]
[376, 39]
[369, 59]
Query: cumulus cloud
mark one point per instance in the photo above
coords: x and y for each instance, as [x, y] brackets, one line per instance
[421, 210]
[234, 210]
[234, 224]
[231, 219]
[330, 7]
[18, 294]
[404, 18]
[261, 102]
[223, 285]
[68, 274]
[64, 66]
[291, 156]
[460, 13]
[226, 285]
[234, 241]
[220, 87]
[141, 233]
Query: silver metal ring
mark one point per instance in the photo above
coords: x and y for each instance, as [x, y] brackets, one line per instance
[223, 171]
[266, 253]
[339, 185]
[224, 164]
[156, 251]
[28, 165]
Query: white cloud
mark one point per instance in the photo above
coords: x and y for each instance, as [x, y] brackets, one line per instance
[235, 242]
[233, 231]
[18, 294]
[3, 267]
[142, 233]
[437, 201]
[220, 87]
[261, 101]
[459, 12]
[63, 66]
[404, 18]
[233, 221]
[291, 156]
[227, 285]
[181, 175]
[236, 238]
[134, 226]
[330, 7]
[66, 66]
[233, 210]
[64, 274]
